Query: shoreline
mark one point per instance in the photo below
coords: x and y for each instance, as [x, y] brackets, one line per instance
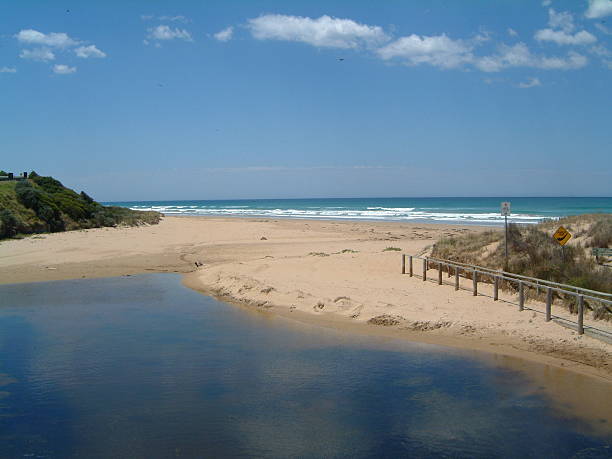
[298, 269]
[500, 347]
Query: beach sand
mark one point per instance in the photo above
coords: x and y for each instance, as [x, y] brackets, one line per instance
[333, 273]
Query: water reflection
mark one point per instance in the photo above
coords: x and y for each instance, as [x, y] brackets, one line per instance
[143, 367]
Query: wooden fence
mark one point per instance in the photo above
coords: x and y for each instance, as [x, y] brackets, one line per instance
[520, 283]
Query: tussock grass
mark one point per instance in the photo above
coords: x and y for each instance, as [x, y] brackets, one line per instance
[533, 252]
[392, 249]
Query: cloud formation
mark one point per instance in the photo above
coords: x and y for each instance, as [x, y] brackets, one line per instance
[326, 31]
[8, 70]
[165, 33]
[53, 39]
[89, 51]
[37, 54]
[561, 28]
[519, 55]
[561, 37]
[598, 9]
[439, 51]
[225, 34]
[177, 18]
[61, 69]
[530, 83]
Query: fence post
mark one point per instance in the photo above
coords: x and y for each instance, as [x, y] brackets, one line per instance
[521, 296]
[475, 283]
[456, 277]
[410, 265]
[439, 273]
[495, 288]
[448, 270]
[581, 315]
[403, 264]
[424, 269]
[548, 303]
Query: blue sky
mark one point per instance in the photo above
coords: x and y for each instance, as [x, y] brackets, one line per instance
[134, 100]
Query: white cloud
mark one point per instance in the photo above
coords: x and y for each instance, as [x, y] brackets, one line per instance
[563, 20]
[34, 37]
[8, 70]
[225, 34]
[89, 51]
[530, 83]
[177, 18]
[519, 55]
[62, 69]
[321, 32]
[600, 50]
[560, 31]
[546, 2]
[560, 37]
[37, 54]
[603, 29]
[512, 32]
[439, 51]
[604, 54]
[598, 9]
[163, 32]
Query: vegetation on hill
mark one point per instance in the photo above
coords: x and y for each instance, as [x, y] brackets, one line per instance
[43, 204]
[533, 252]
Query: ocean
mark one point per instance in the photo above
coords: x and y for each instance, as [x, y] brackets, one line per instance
[479, 211]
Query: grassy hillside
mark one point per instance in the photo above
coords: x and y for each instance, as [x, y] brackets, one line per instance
[533, 251]
[43, 204]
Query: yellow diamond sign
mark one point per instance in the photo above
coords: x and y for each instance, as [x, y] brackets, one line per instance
[562, 236]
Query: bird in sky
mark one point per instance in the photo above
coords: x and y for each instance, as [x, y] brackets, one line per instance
[340, 59]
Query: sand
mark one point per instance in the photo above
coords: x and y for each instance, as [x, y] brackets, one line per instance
[333, 273]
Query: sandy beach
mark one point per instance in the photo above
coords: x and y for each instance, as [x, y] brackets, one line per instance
[333, 273]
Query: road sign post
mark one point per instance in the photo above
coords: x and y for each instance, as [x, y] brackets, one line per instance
[505, 211]
[562, 236]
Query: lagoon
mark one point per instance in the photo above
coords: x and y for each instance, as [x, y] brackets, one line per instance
[141, 366]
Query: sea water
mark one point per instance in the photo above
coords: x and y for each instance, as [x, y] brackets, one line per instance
[144, 367]
[481, 211]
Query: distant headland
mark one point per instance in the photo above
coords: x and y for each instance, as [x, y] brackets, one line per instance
[31, 203]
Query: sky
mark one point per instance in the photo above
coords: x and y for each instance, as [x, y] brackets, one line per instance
[152, 100]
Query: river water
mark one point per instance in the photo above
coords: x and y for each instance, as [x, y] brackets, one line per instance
[144, 367]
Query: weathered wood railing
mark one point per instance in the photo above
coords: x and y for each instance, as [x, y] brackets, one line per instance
[520, 282]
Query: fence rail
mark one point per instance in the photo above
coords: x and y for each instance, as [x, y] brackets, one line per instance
[521, 283]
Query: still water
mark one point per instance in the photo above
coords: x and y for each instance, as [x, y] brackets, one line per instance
[144, 367]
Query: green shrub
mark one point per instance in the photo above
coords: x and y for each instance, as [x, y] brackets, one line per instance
[8, 223]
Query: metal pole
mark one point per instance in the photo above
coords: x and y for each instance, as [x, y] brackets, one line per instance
[521, 296]
[439, 273]
[456, 277]
[475, 283]
[410, 265]
[403, 264]
[581, 315]
[495, 288]
[506, 241]
[548, 303]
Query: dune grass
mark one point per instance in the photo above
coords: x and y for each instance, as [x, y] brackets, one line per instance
[533, 252]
